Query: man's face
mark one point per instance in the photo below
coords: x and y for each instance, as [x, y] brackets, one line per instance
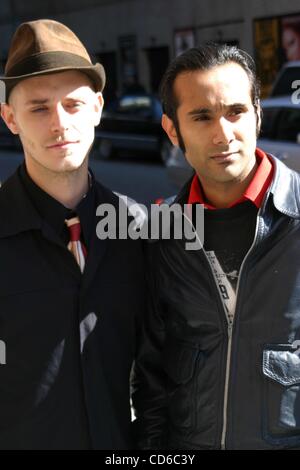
[217, 122]
[55, 116]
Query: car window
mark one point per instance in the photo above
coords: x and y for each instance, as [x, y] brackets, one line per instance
[3, 127]
[283, 85]
[289, 125]
[157, 108]
[268, 125]
[135, 105]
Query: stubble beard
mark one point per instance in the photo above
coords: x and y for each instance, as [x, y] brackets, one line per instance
[62, 174]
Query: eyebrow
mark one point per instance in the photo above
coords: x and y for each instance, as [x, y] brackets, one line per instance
[46, 100]
[199, 111]
[36, 101]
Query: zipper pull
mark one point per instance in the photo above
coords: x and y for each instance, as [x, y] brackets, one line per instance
[230, 328]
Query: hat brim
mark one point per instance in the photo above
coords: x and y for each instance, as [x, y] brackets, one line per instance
[95, 72]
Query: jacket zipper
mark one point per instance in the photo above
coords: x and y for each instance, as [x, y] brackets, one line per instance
[229, 348]
[227, 374]
[229, 334]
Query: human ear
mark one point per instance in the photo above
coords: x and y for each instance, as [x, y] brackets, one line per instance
[169, 128]
[259, 112]
[98, 107]
[8, 116]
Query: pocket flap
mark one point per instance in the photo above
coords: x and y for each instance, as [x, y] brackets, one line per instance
[282, 364]
[179, 361]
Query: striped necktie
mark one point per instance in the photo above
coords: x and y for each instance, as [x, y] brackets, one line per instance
[75, 245]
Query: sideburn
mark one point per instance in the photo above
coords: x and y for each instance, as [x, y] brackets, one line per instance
[179, 136]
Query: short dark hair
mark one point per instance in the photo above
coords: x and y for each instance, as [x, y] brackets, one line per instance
[205, 57]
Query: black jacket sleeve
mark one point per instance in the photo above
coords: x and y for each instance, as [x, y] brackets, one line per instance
[149, 379]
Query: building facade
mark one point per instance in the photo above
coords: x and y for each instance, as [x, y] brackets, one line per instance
[136, 39]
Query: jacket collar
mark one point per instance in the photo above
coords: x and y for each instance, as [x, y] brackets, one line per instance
[97, 247]
[285, 189]
[18, 214]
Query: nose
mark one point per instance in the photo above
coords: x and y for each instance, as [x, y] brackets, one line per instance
[59, 119]
[223, 132]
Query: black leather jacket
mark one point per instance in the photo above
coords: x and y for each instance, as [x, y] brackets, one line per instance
[200, 384]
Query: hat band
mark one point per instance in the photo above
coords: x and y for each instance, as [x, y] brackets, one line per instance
[47, 61]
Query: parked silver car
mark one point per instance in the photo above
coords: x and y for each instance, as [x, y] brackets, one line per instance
[280, 136]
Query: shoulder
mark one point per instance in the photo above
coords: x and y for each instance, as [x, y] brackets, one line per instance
[136, 210]
[11, 190]
[285, 188]
[121, 202]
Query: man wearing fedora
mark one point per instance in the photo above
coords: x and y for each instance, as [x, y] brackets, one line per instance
[70, 303]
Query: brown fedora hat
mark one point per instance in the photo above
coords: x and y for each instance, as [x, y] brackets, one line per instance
[47, 46]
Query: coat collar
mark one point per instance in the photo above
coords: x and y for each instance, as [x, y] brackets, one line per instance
[18, 214]
[285, 189]
[98, 247]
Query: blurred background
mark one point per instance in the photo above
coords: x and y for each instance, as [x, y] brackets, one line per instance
[135, 41]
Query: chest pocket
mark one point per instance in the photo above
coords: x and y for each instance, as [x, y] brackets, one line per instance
[281, 401]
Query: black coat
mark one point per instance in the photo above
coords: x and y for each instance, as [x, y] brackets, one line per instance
[203, 384]
[43, 292]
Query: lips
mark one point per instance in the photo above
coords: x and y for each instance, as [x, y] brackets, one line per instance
[62, 144]
[223, 157]
[223, 154]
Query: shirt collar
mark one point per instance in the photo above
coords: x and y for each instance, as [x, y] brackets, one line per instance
[255, 191]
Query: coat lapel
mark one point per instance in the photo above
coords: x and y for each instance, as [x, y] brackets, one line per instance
[70, 264]
[98, 247]
[14, 200]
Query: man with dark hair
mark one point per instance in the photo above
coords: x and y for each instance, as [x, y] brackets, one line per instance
[70, 302]
[219, 361]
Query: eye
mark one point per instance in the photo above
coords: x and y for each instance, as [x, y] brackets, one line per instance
[38, 110]
[236, 111]
[202, 117]
[75, 104]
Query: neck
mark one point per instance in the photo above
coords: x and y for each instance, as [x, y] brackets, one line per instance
[68, 188]
[223, 195]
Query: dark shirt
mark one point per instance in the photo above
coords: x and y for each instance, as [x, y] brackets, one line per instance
[229, 234]
[66, 425]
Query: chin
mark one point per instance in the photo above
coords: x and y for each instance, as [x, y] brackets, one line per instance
[69, 168]
[72, 162]
[228, 176]
[64, 167]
